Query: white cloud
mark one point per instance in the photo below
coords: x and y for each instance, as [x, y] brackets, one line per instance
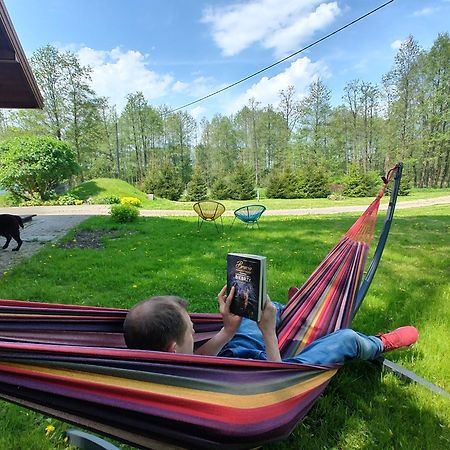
[427, 11]
[397, 44]
[299, 74]
[282, 26]
[116, 73]
[197, 112]
[179, 86]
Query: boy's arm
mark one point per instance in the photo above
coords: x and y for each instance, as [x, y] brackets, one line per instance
[267, 325]
[231, 323]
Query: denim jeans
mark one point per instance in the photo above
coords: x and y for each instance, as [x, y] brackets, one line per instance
[334, 348]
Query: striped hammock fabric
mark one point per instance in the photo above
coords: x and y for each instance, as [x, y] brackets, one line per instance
[71, 362]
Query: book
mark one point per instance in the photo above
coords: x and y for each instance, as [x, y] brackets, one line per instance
[248, 274]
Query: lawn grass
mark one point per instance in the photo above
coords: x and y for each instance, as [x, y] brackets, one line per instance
[363, 407]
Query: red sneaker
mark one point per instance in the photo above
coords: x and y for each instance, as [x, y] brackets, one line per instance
[401, 337]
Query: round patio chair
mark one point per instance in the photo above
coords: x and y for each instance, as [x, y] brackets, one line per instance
[209, 211]
[249, 214]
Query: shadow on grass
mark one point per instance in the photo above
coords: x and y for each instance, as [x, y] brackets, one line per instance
[86, 190]
[359, 397]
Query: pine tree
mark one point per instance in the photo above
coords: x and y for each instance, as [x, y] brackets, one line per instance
[197, 189]
[243, 183]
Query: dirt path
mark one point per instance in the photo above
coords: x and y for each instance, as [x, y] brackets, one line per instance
[53, 222]
[103, 210]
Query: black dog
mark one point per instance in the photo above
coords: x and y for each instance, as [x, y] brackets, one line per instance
[9, 228]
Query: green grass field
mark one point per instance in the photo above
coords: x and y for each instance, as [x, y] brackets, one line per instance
[364, 407]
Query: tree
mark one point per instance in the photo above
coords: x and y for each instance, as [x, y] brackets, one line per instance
[180, 130]
[83, 121]
[49, 69]
[70, 108]
[402, 84]
[219, 149]
[34, 166]
[434, 110]
[284, 184]
[358, 183]
[242, 183]
[168, 182]
[316, 114]
[362, 104]
[197, 189]
[289, 108]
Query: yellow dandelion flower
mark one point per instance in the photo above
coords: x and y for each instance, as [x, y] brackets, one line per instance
[49, 429]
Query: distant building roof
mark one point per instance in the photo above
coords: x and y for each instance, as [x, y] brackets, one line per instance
[18, 87]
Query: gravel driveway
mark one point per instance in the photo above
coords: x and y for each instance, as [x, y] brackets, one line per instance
[39, 231]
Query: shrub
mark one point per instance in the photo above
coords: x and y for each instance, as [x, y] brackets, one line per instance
[221, 189]
[314, 183]
[359, 184]
[109, 200]
[124, 213]
[286, 184]
[67, 199]
[33, 166]
[62, 200]
[336, 197]
[243, 183]
[133, 201]
[405, 185]
[168, 183]
[149, 183]
[276, 187]
[197, 189]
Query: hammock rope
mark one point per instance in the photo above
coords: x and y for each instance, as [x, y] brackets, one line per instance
[71, 362]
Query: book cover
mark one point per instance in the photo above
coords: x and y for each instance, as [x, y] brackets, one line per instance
[248, 274]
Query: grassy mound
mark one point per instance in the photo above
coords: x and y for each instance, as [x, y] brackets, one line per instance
[99, 188]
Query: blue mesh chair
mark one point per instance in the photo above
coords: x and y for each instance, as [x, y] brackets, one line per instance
[249, 214]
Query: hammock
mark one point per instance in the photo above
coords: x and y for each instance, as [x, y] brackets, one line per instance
[71, 362]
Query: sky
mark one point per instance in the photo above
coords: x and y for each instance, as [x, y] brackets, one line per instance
[176, 51]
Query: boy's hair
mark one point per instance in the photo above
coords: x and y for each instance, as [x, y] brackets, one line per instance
[155, 323]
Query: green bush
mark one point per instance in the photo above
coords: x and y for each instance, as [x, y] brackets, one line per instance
[33, 166]
[133, 201]
[284, 184]
[165, 183]
[405, 185]
[68, 199]
[124, 213]
[360, 184]
[276, 186]
[109, 200]
[314, 183]
[221, 189]
[149, 183]
[62, 200]
[242, 183]
[197, 189]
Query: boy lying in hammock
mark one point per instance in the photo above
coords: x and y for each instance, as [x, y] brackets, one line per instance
[163, 324]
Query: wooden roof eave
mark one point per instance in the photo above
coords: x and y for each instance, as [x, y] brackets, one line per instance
[14, 63]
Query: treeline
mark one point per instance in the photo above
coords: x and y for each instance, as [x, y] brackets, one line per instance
[404, 117]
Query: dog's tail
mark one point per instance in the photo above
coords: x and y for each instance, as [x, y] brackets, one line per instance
[19, 220]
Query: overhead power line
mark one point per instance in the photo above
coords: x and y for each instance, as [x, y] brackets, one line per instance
[284, 59]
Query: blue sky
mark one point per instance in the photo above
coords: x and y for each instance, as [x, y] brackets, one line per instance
[176, 51]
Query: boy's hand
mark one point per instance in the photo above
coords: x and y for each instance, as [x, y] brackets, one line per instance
[231, 321]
